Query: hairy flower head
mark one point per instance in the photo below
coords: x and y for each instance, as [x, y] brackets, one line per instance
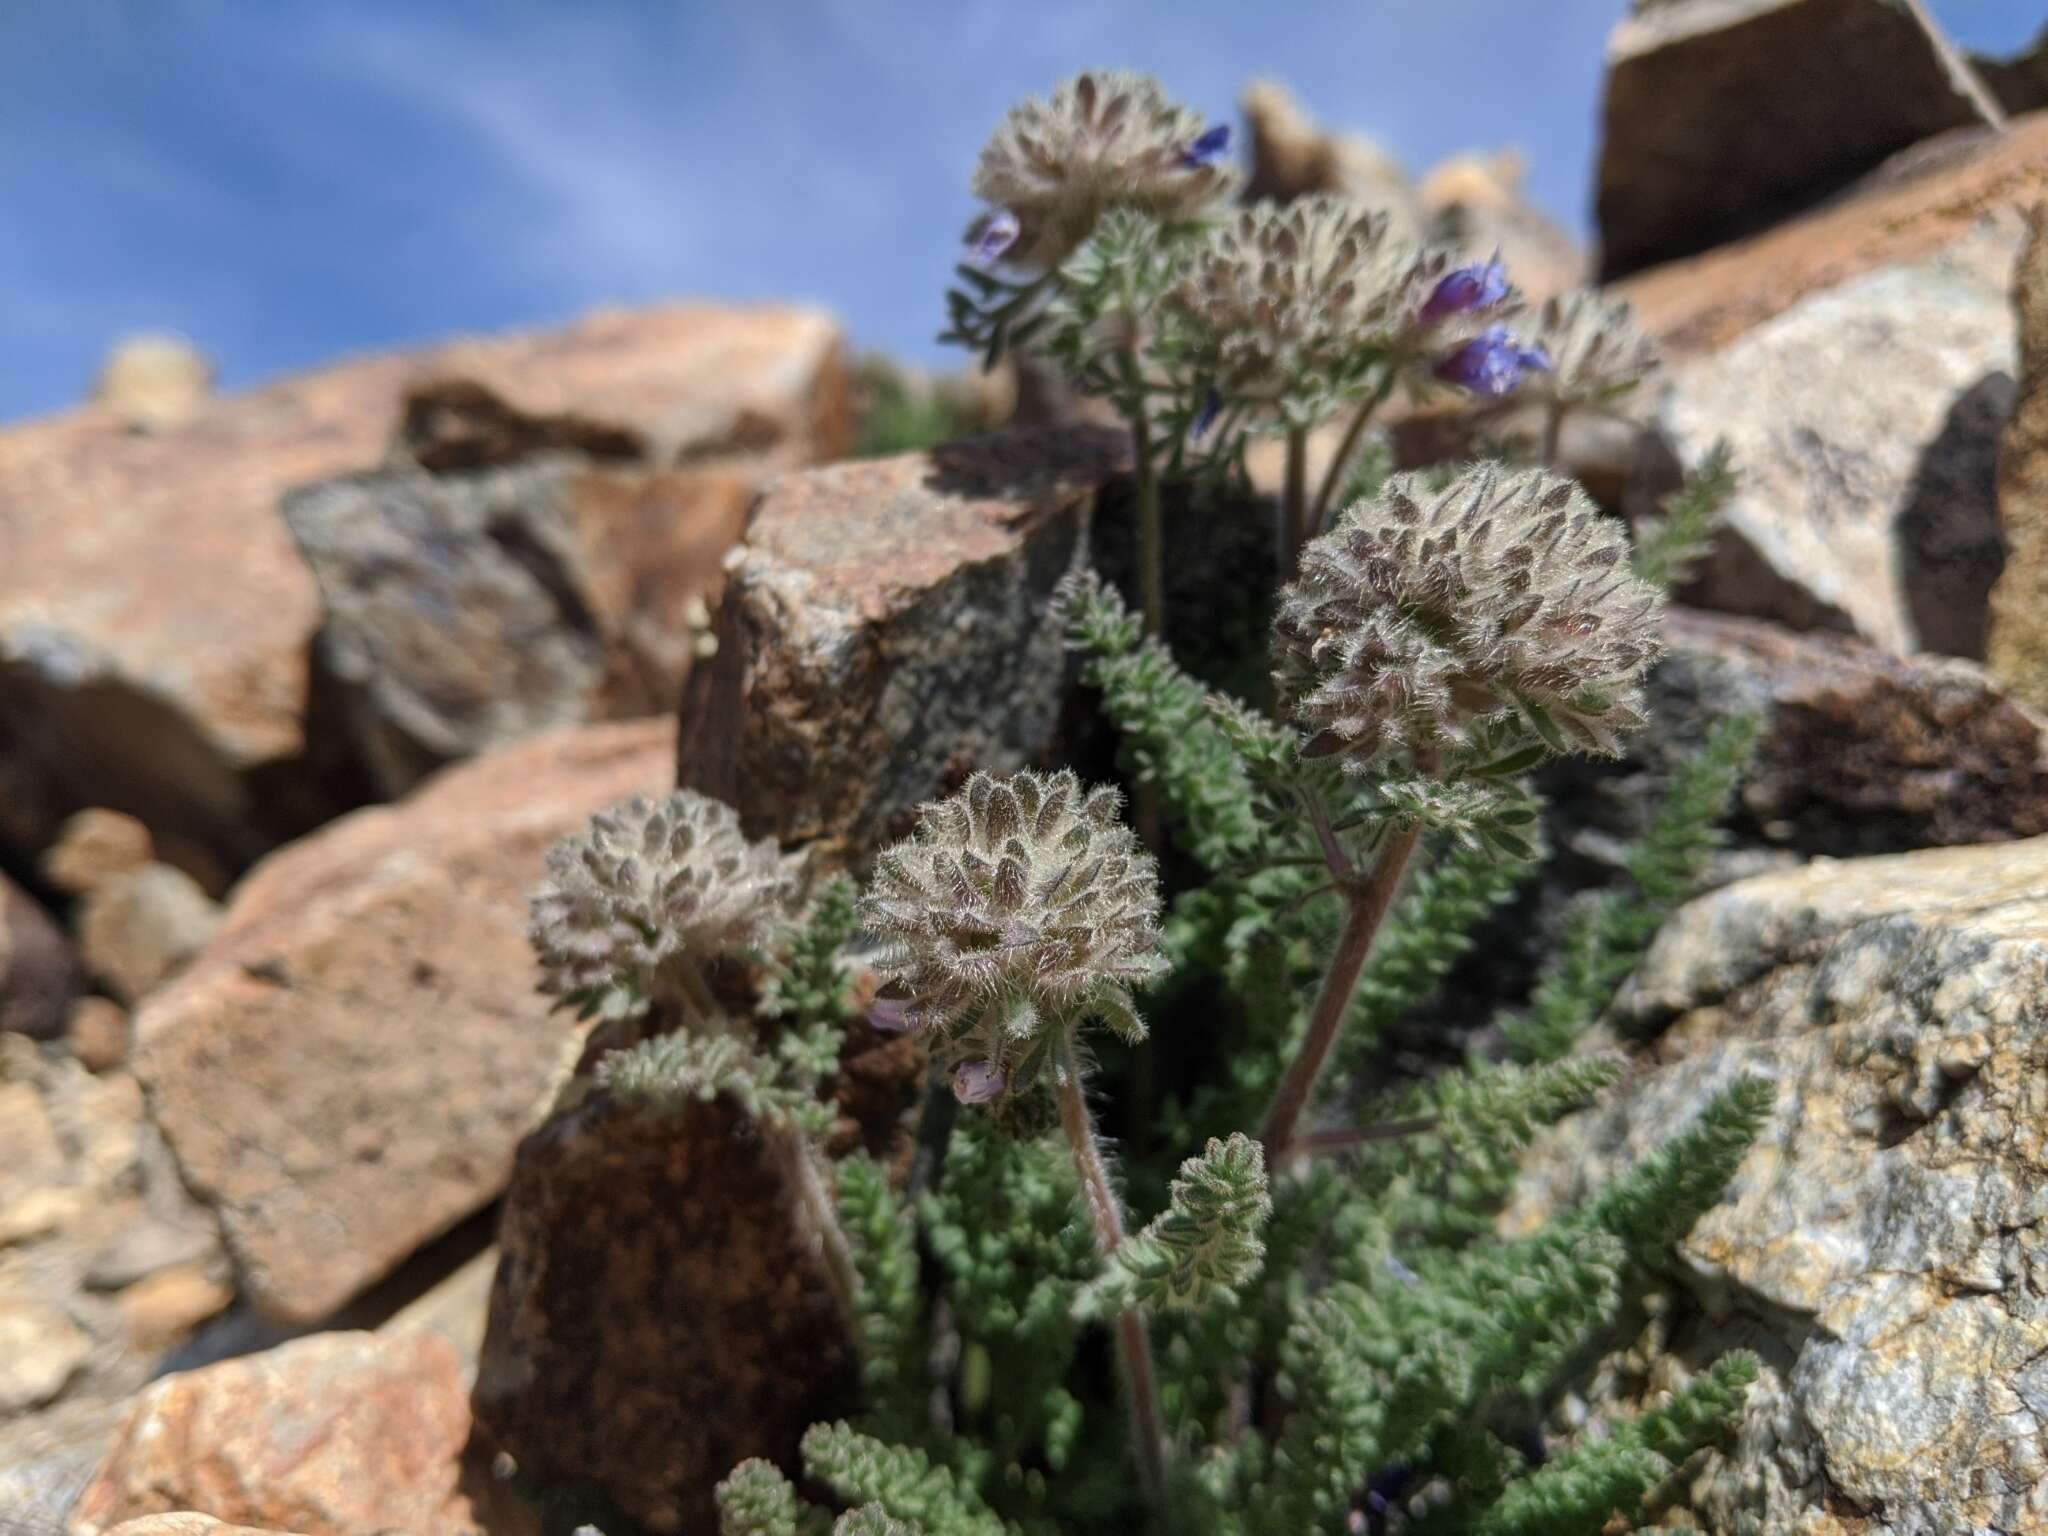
[1018, 907]
[649, 881]
[1290, 302]
[1596, 350]
[1105, 139]
[1452, 628]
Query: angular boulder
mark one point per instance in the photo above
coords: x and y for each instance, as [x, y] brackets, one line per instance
[1878, 1244]
[157, 621]
[1918, 205]
[464, 611]
[657, 1316]
[2017, 644]
[1861, 751]
[350, 1434]
[1864, 422]
[886, 628]
[1720, 116]
[342, 1074]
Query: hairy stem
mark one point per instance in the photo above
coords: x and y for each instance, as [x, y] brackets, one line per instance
[1294, 506]
[1151, 537]
[1366, 903]
[1134, 1344]
[1333, 477]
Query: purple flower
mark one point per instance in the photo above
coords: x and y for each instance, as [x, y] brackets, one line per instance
[976, 1082]
[991, 235]
[1492, 363]
[1465, 290]
[1205, 418]
[1207, 149]
[889, 1016]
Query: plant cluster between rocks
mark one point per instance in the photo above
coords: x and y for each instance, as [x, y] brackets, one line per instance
[1315, 1326]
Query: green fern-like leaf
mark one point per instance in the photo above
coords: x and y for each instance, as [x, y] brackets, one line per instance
[1670, 545]
[1655, 1203]
[669, 1072]
[902, 1481]
[888, 1306]
[1593, 1484]
[1205, 1245]
[757, 1500]
[1164, 718]
[1608, 934]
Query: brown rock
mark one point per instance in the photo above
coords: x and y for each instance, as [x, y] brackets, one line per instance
[156, 621]
[657, 1317]
[885, 628]
[345, 1070]
[2017, 643]
[1919, 205]
[346, 1434]
[572, 588]
[137, 930]
[39, 975]
[681, 383]
[1720, 116]
[97, 1031]
[95, 845]
[1861, 752]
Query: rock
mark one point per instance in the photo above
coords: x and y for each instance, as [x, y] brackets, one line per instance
[760, 387]
[39, 975]
[657, 1318]
[885, 628]
[154, 381]
[1864, 423]
[2017, 645]
[183, 1523]
[456, 1307]
[39, 1212]
[169, 1306]
[343, 1073]
[157, 621]
[94, 846]
[145, 1248]
[1877, 1245]
[40, 1350]
[2019, 81]
[1861, 752]
[89, 1206]
[1291, 157]
[97, 1031]
[1721, 116]
[137, 930]
[352, 1434]
[1921, 203]
[464, 611]
[1475, 202]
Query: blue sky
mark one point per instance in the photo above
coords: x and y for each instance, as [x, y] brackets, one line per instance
[287, 181]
